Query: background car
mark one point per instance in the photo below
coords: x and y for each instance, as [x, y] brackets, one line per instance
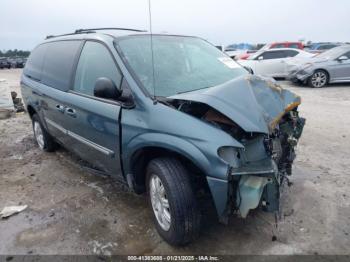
[317, 48]
[246, 55]
[236, 50]
[295, 45]
[18, 62]
[332, 66]
[4, 63]
[273, 62]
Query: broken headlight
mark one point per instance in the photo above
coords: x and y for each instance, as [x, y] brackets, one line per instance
[230, 155]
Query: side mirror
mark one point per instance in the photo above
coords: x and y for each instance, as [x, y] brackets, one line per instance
[260, 58]
[342, 58]
[106, 88]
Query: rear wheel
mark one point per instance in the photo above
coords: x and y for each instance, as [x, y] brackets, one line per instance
[318, 79]
[174, 206]
[42, 138]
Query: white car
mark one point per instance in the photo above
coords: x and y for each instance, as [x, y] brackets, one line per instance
[275, 62]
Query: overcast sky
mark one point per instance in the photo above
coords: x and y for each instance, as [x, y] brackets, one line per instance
[24, 23]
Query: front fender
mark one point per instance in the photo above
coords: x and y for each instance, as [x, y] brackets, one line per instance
[165, 141]
[218, 187]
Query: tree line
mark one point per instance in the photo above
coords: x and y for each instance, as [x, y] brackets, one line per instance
[14, 53]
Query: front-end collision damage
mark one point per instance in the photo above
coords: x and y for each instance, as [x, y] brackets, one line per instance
[261, 116]
[265, 164]
[249, 192]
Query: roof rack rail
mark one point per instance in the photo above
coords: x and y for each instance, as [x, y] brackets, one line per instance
[75, 33]
[92, 30]
[109, 28]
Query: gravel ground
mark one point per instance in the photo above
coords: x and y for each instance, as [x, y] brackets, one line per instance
[72, 211]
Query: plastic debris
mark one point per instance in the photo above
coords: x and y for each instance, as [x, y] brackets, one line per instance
[11, 210]
[6, 104]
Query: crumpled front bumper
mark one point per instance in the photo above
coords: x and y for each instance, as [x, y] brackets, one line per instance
[245, 188]
[256, 179]
[299, 75]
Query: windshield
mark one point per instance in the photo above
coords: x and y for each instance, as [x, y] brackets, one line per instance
[333, 53]
[181, 64]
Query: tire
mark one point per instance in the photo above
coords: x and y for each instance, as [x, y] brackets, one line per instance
[184, 224]
[318, 79]
[41, 136]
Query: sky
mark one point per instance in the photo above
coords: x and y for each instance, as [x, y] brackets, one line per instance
[25, 23]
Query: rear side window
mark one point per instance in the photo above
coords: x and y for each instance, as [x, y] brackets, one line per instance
[35, 62]
[290, 53]
[58, 64]
[278, 46]
[296, 46]
[272, 55]
[95, 62]
[326, 47]
[347, 54]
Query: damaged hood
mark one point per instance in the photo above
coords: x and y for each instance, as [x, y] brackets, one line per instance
[253, 103]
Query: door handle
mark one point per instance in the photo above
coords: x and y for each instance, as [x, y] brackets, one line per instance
[60, 108]
[71, 112]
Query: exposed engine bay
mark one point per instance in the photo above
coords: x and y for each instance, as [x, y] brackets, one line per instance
[209, 114]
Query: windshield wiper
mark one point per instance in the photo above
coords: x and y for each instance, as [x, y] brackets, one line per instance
[192, 90]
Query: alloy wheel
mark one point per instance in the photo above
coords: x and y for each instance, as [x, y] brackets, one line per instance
[319, 79]
[160, 202]
[39, 136]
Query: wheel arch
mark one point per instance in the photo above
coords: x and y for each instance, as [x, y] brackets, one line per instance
[139, 158]
[31, 111]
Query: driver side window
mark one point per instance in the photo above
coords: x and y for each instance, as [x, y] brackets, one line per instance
[347, 55]
[95, 61]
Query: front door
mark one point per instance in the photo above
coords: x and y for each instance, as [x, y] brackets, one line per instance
[93, 123]
[340, 70]
[270, 63]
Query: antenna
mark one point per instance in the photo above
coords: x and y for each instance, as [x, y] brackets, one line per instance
[150, 29]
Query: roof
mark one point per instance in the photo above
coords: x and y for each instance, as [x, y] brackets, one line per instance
[102, 36]
[283, 49]
[93, 33]
[286, 42]
[346, 47]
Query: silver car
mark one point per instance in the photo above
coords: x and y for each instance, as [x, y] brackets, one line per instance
[332, 66]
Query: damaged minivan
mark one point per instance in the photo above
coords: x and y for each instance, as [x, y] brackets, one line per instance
[171, 116]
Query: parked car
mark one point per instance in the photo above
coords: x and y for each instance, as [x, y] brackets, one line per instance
[17, 62]
[246, 55]
[332, 66]
[179, 120]
[295, 45]
[273, 62]
[4, 63]
[241, 46]
[318, 48]
[236, 50]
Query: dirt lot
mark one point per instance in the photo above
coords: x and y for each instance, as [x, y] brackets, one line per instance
[72, 211]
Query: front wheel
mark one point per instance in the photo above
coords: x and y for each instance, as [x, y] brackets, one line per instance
[318, 79]
[174, 205]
